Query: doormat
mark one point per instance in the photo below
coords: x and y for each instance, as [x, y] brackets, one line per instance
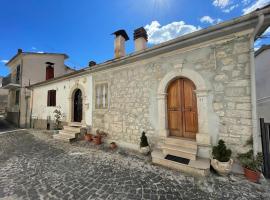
[177, 159]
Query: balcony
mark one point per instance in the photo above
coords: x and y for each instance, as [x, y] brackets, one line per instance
[9, 82]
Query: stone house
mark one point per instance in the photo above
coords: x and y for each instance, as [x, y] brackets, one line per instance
[262, 63]
[29, 68]
[185, 93]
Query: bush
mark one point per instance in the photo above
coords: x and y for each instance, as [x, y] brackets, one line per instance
[249, 161]
[221, 153]
[144, 142]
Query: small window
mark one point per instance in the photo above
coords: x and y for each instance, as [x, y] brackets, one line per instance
[49, 72]
[51, 98]
[18, 73]
[101, 96]
[17, 97]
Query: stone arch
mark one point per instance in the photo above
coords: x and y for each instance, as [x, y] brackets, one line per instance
[70, 99]
[203, 102]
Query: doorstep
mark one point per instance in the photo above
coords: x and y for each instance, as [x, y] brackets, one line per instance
[198, 167]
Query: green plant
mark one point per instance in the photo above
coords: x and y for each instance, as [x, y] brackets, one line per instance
[58, 117]
[249, 161]
[221, 153]
[144, 142]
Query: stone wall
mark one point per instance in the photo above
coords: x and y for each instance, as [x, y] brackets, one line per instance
[133, 108]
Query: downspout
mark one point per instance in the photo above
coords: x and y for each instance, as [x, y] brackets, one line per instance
[255, 122]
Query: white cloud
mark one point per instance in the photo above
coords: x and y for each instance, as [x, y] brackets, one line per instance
[226, 5]
[34, 48]
[230, 8]
[267, 31]
[40, 52]
[4, 61]
[210, 20]
[256, 5]
[221, 3]
[158, 34]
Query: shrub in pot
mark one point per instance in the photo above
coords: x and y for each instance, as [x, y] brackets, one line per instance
[252, 165]
[221, 161]
[144, 146]
[113, 145]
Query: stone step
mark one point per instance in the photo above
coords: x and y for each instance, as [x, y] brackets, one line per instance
[179, 151]
[68, 132]
[72, 128]
[63, 137]
[182, 142]
[198, 167]
[75, 124]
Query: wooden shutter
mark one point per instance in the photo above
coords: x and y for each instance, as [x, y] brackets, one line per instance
[51, 98]
[49, 72]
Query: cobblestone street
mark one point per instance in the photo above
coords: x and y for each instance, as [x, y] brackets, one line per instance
[34, 166]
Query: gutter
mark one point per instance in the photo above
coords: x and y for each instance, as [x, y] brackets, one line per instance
[257, 147]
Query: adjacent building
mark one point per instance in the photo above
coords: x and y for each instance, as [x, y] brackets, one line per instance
[29, 68]
[262, 63]
[3, 98]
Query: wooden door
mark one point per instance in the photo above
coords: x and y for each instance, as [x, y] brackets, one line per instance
[182, 109]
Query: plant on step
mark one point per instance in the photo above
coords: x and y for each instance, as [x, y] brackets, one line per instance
[222, 161]
[221, 153]
[58, 115]
[144, 146]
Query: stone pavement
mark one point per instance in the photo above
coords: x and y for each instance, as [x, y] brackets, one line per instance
[34, 166]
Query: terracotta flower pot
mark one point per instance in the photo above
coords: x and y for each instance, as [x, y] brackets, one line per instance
[97, 139]
[88, 137]
[253, 176]
[113, 145]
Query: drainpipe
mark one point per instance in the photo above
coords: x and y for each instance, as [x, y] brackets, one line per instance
[255, 122]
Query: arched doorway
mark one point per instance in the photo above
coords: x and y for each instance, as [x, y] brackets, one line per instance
[77, 106]
[182, 108]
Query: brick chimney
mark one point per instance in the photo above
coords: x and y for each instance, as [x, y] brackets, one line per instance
[119, 43]
[140, 38]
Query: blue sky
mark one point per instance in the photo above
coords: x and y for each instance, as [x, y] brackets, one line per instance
[82, 28]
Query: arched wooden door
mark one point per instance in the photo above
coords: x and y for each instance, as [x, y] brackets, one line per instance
[182, 109]
[77, 106]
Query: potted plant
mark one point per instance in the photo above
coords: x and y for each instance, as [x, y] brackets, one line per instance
[113, 145]
[221, 160]
[97, 138]
[88, 137]
[252, 165]
[58, 117]
[144, 146]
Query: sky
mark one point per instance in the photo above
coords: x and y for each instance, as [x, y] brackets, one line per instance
[82, 28]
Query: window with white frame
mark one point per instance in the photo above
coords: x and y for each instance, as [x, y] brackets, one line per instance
[101, 96]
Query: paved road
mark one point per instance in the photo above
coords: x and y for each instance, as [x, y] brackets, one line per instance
[34, 166]
[4, 125]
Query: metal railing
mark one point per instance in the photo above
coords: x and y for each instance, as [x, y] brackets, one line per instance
[9, 79]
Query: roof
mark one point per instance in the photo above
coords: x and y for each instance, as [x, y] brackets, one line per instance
[33, 53]
[229, 27]
[262, 49]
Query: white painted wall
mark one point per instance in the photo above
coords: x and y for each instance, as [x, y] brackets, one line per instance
[64, 90]
[262, 64]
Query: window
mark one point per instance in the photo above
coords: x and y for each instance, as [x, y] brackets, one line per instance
[51, 98]
[101, 96]
[18, 73]
[17, 97]
[49, 70]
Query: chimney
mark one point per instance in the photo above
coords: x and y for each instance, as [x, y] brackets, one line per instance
[19, 51]
[119, 43]
[92, 63]
[140, 38]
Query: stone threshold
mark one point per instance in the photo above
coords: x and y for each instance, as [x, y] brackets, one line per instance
[198, 167]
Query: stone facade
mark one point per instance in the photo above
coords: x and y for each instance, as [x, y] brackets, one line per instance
[222, 65]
